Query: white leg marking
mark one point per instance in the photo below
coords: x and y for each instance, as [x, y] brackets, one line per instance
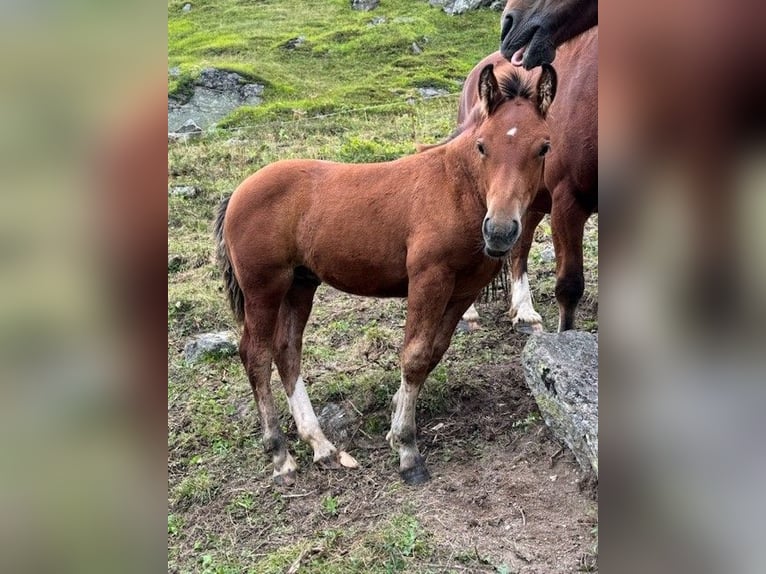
[307, 423]
[522, 308]
[403, 420]
[471, 316]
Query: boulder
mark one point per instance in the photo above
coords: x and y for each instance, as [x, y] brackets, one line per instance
[561, 369]
[209, 346]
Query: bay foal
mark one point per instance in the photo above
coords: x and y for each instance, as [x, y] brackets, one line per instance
[431, 227]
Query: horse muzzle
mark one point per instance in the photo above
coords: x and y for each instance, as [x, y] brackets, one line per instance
[499, 237]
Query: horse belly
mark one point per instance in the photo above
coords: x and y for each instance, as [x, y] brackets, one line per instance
[360, 275]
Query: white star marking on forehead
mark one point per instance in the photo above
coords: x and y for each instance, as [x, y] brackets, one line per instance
[512, 132]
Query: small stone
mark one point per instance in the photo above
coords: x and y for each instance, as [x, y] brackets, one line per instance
[294, 43]
[336, 421]
[429, 92]
[377, 21]
[174, 72]
[188, 191]
[189, 127]
[547, 254]
[186, 7]
[211, 346]
[365, 5]
[416, 49]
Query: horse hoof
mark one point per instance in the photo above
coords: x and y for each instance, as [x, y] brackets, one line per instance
[285, 479]
[528, 328]
[329, 462]
[415, 475]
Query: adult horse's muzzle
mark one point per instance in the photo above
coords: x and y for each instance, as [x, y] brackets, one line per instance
[499, 236]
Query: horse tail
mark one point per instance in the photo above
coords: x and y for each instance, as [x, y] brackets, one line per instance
[233, 290]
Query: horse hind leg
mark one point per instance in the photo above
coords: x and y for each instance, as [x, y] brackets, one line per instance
[522, 312]
[255, 350]
[288, 343]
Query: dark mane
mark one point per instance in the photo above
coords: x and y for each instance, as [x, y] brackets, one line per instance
[514, 86]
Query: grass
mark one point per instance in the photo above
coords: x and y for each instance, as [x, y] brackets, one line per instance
[349, 93]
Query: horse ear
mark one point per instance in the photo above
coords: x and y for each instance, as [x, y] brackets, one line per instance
[489, 91]
[546, 88]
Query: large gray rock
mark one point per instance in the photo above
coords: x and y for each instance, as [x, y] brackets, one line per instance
[214, 94]
[561, 369]
[211, 346]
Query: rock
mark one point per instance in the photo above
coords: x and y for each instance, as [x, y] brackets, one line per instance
[561, 369]
[294, 43]
[188, 191]
[221, 80]
[251, 94]
[186, 7]
[365, 5]
[336, 421]
[429, 92]
[416, 49]
[189, 127]
[211, 346]
[547, 254]
[456, 7]
[174, 72]
[377, 21]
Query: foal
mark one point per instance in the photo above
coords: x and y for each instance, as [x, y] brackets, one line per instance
[431, 227]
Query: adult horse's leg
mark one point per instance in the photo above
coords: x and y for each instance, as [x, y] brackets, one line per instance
[428, 294]
[568, 219]
[255, 350]
[523, 315]
[288, 343]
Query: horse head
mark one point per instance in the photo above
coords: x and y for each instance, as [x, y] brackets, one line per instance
[510, 138]
[531, 30]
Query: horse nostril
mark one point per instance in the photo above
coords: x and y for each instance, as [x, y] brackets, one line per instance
[506, 27]
[515, 226]
[485, 227]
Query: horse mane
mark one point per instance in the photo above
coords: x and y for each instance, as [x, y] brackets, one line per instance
[512, 85]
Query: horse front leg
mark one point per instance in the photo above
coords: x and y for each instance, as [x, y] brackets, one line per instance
[524, 318]
[427, 299]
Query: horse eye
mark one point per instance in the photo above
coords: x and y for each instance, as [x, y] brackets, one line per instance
[480, 147]
[545, 149]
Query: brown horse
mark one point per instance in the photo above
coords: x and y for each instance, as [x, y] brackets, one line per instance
[431, 227]
[531, 30]
[570, 192]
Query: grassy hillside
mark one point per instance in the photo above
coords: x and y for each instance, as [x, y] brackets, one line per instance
[349, 93]
[344, 63]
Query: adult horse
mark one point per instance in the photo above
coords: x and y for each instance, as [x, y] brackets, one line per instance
[570, 191]
[431, 227]
[531, 30]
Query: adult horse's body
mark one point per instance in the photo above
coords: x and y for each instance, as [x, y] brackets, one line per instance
[430, 227]
[570, 191]
[531, 30]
